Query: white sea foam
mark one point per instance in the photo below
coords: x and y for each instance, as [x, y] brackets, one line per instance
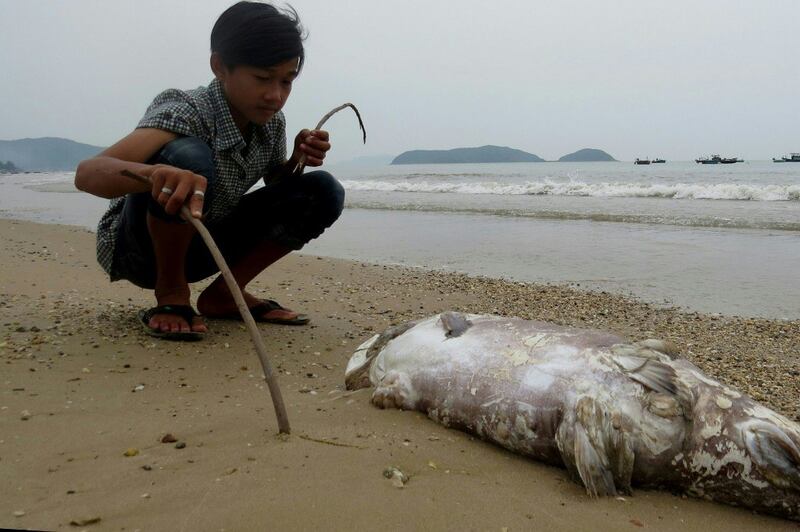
[39, 178]
[707, 191]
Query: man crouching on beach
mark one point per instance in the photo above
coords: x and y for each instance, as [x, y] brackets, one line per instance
[206, 148]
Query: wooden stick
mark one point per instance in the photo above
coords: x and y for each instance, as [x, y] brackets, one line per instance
[302, 162]
[261, 349]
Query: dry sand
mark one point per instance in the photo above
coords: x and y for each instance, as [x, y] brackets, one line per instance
[81, 385]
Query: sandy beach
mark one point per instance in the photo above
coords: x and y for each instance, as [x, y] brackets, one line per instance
[86, 399]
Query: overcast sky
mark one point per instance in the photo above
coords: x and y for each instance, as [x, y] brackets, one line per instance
[636, 78]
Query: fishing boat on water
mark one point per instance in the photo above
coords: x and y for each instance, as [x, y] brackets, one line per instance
[716, 159]
[792, 158]
[658, 161]
[641, 161]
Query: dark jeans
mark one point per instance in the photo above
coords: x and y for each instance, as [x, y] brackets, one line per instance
[290, 212]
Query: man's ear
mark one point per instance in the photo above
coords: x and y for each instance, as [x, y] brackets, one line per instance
[218, 66]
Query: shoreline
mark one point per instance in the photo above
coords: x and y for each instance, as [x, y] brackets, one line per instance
[677, 260]
[82, 384]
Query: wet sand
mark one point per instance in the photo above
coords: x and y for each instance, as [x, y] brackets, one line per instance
[82, 385]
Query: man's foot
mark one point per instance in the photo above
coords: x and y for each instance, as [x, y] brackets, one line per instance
[184, 312]
[212, 304]
[174, 322]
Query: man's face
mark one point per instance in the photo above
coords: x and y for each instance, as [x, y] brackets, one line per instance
[255, 94]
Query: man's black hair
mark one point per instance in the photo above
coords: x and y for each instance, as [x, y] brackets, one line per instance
[257, 34]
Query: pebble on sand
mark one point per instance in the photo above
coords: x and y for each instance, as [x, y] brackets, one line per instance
[397, 477]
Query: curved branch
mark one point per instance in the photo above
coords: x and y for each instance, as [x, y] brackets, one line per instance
[302, 162]
[261, 349]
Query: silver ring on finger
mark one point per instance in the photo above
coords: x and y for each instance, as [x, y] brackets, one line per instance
[167, 190]
[199, 193]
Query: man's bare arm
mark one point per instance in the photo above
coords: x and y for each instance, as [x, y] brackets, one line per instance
[101, 175]
[171, 187]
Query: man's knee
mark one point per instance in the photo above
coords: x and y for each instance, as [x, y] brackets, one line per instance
[327, 192]
[188, 153]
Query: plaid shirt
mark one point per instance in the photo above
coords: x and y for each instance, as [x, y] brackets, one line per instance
[204, 113]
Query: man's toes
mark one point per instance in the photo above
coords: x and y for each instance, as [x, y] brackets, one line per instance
[168, 325]
[283, 314]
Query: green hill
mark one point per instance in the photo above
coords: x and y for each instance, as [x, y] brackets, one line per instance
[483, 154]
[46, 154]
[586, 155]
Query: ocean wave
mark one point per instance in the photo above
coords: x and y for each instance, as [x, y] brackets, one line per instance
[437, 175]
[631, 218]
[54, 186]
[704, 191]
[39, 178]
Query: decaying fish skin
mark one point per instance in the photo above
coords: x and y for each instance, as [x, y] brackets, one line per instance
[614, 413]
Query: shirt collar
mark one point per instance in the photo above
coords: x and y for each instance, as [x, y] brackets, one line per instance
[228, 135]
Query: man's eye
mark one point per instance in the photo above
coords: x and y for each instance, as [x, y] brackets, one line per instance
[263, 78]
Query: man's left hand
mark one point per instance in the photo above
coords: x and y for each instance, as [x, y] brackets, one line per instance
[313, 144]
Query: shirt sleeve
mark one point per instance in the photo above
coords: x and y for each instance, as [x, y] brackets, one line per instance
[278, 133]
[174, 110]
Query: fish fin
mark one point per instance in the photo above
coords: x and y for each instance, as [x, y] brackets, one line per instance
[454, 323]
[775, 452]
[592, 465]
[657, 376]
[662, 346]
[621, 456]
[601, 453]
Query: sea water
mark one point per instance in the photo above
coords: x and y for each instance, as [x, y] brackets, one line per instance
[712, 238]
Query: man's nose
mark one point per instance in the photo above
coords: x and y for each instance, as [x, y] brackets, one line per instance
[272, 93]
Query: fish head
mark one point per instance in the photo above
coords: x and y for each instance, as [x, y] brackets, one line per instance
[774, 447]
[743, 453]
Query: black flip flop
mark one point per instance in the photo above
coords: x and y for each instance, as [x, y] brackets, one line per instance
[265, 305]
[184, 311]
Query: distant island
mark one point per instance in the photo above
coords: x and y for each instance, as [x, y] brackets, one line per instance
[46, 154]
[8, 168]
[50, 154]
[483, 154]
[492, 154]
[586, 155]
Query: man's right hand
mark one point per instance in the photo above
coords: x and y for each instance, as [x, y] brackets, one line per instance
[174, 187]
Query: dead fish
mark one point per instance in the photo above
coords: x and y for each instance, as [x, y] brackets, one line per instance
[616, 414]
